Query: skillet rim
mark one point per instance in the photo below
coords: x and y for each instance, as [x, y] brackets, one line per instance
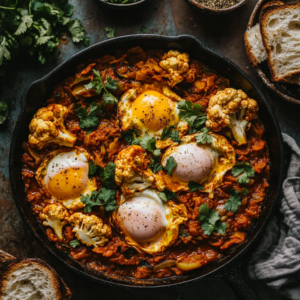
[113, 41]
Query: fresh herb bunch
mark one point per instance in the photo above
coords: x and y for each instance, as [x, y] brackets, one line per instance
[34, 27]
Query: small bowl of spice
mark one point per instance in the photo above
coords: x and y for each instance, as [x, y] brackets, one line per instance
[216, 6]
[122, 4]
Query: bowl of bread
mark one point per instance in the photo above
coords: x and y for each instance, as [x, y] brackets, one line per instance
[272, 42]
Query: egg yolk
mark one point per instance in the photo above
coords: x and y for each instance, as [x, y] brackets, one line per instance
[154, 110]
[141, 218]
[69, 183]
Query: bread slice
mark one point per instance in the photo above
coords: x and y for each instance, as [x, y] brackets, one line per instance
[254, 45]
[280, 29]
[31, 279]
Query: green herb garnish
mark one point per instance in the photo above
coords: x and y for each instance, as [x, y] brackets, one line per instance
[203, 137]
[147, 142]
[130, 135]
[245, 171]
[144, 29]
[3, 110]
[94, 169]
[233, 202]
[89, 121]
[110, 32]
[167, 195]
[194, 186]
[170, 165]
[210, 220]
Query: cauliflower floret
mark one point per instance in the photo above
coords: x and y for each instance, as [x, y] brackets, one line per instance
[56, 217]
[175, 63]
[132, 172]
[90, 230]
[232, 108]
[47, 127]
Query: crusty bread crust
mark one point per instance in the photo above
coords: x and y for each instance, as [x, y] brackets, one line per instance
[61, 291]
[249, 52]
[5, 257]
[266, 13]
[272, 3]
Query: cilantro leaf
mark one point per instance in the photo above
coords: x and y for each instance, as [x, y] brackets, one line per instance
[170, 165]
[167, 195]
[89, 121]
[194, 186]
[244, 192]
[130, 135]
[128, 253]
[108, 98]
[111, 84]
[175, 137]
[110, 32]
[107, 199]
[3, 112]
[77, 31]
[144, 29]
[147, 142]
[90, 201]
[245, 171]
[189, 111]
[155, 164]
[74, 243]
[109, 175]
[182, 233]
[26, 22]
[94, 170]
[204, 137]
[166, 133]
[145, 263]
[210, 220]
[4, 52]
[96, 84]
[233, 202]
[196, 125]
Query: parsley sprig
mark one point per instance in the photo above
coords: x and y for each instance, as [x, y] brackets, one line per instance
[110, 32]
[167, 195]
[210, 220]
[192, 114]
[98, 85]
[203, 137]
[245, 171]
[89, 121]
[155, 164]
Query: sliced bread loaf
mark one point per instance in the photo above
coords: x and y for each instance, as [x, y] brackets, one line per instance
[31, 279]
[254, 45]
[280, 29]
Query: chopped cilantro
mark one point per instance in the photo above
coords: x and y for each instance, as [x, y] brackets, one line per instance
[130, 135]
[110, 32]
[3, 111]
[109, 175]
[94, 170]
[147, 142]
[182, 233]
[167, 195]
[155, 164]
[106, 198]
[145, 263]
[233, 202]
[244, 192]
[98, 85]
[144, 29]
[34, 28]
[74, 243]
[192, 114]
[210, 220]
[88, 121]
[244, 170]
[203, 137]
[194, 186]
[169, 133]
[170, 165]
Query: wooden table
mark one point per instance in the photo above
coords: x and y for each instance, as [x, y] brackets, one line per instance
[222, 33]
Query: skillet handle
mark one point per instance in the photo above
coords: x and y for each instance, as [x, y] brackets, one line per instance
[235, 276]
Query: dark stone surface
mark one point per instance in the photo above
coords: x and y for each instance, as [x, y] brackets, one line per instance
[223, 33]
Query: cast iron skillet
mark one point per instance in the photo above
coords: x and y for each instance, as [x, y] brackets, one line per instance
[38, 92]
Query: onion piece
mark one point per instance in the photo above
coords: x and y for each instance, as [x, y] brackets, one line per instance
[165, 264]
[187, 266]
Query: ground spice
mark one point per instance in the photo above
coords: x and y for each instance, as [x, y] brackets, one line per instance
[218, 4]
